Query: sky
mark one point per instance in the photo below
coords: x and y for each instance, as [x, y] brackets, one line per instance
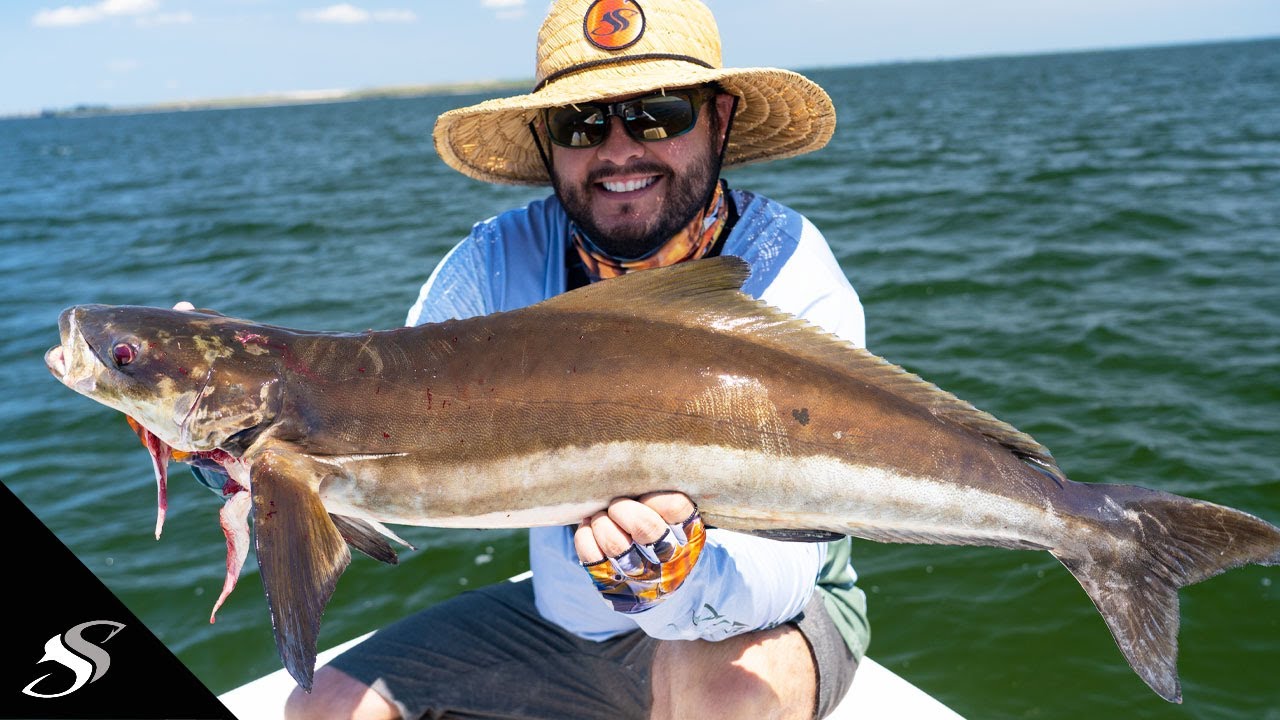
[136, 52]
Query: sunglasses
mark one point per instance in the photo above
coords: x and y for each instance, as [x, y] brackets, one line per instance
[651, 118]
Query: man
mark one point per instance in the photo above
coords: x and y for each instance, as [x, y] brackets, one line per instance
[640, 610]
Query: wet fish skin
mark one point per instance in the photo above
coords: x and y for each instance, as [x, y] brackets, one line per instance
[669, 379]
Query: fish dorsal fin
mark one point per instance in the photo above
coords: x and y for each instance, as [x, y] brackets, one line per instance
[707, 293]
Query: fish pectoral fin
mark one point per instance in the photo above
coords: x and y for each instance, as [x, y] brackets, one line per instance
[301, 554]
[369, 538]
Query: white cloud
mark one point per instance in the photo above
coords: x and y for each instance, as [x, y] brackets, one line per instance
[71, 15]
[178, 18]
[128, 7]
[345, 14]
[348, 14]
[506, 9]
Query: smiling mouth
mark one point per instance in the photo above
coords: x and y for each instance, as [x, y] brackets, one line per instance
[621, 186]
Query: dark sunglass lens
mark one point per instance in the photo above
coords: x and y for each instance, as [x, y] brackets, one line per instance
[582, 126]
[658, 117]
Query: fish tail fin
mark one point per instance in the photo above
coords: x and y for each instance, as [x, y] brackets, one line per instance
[1165, 542]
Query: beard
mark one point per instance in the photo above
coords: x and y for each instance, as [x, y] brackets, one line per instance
[638, 236]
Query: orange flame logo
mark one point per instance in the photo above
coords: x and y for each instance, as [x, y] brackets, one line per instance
[613, 24]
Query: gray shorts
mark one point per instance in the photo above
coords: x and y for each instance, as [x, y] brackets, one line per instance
[488, 653]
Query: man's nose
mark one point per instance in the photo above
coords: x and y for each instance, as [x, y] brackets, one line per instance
[618, 147]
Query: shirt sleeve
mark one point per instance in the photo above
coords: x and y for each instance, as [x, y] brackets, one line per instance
[460, 285]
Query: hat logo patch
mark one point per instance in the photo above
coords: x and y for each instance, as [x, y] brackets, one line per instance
[613, 24]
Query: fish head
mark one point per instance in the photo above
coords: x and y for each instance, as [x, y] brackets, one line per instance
[194, 379]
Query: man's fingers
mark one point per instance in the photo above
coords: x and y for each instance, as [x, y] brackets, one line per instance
[641, 523]
[584, 541]
[599, 537]
[627, 531]
[674, 507]
[612, 539]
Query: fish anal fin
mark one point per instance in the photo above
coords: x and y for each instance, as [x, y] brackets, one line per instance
[300, 552]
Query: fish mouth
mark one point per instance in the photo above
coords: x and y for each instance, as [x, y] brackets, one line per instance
[72, 361]
[55, 359]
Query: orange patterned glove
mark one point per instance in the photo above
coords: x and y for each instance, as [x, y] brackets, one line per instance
[644, 575]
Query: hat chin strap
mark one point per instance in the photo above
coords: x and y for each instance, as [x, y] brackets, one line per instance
[724, 148]
[546, 160]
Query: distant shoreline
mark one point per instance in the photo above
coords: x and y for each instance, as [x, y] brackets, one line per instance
[297, 97]
[314, 97]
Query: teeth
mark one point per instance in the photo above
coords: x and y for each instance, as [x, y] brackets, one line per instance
[629, 185]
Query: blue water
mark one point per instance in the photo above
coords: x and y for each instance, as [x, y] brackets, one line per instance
[1085, 245]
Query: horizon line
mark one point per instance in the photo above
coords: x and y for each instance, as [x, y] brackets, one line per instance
[335, 95]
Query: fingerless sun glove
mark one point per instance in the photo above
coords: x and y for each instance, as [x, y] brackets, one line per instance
[644, 575]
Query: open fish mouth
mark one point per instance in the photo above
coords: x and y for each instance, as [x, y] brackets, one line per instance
[72, 360]
[56, 361]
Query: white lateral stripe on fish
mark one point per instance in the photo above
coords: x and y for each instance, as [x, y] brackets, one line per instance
[667, 379]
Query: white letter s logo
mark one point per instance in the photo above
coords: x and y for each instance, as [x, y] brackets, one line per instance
[96, 665]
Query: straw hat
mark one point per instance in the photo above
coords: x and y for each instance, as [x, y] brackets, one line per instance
[594, 49]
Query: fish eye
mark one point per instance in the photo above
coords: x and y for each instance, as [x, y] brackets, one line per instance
[123, 354]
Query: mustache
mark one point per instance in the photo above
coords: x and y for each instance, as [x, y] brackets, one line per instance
[639, 167]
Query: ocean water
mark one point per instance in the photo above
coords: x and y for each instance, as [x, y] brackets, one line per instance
[1086, 245]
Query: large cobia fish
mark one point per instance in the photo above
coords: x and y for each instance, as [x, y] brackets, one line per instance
[668, 379]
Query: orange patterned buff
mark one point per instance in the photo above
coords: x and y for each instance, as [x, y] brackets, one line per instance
[691, 243]
[613, 24]
[644, 575]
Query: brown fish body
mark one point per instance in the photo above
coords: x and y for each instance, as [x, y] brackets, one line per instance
[571, 405]
[663, 380]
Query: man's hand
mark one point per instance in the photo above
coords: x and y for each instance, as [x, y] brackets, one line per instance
[640, 550]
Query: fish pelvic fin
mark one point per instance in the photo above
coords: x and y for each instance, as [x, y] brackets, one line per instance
[300, 552]
[1162, 542]
[708, 292]
[369, 537]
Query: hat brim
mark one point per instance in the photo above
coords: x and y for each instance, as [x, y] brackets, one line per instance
[780, 114]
